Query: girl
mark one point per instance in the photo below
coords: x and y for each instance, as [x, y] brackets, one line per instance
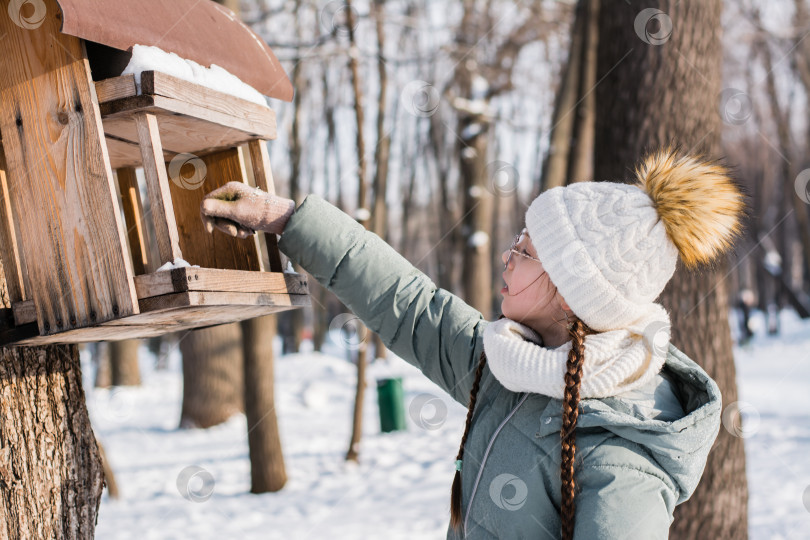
[583, 420]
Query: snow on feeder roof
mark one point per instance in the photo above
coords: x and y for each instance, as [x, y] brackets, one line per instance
[199, 30]
[81, 258]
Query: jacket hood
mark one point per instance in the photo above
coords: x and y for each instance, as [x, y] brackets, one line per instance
[680, 443]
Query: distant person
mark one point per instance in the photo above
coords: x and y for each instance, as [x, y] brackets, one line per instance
[580, 364]
[745, 303]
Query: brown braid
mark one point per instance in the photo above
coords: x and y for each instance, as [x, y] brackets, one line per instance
[455, 495]
[573, 378]
[576, 358]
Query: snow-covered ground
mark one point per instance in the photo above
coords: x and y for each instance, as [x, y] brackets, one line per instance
[195, 483]
[773, 376]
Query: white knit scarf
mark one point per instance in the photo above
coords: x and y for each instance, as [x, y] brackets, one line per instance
[616, 361]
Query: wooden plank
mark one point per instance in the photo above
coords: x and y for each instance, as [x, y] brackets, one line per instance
[60, 182]
[80, 335]
[126, 153]
[145, 325]
[191, 307]
[179, 134]
[116, 88]
[157, 186]
[24, 312]
[263, 177]
[133, 217]
[255, 127]
[10, 250]
[162, 84]
[192, 178]
[213, 279]
[153, 309]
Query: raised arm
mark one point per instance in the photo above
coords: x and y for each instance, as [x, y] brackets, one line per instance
[427, 326]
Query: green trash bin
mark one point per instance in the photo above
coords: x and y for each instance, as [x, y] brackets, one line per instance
[392, 404]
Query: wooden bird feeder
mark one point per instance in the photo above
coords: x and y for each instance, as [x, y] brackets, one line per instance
[76, 254]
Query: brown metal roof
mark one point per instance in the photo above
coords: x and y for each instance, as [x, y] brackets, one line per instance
[200, 30]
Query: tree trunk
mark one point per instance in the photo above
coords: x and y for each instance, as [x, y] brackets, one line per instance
[267, 472]
[354, 68]
[381, 151]
[212, 375]
[320, 316]
[580, 162]
[790, 201]
[109, 474]
[555, 166]
[101, 359]
[477, 221]
[651, 94]
[50, 470]
[295, 317]
[124, 362]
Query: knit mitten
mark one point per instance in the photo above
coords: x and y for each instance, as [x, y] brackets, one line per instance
[239, 210]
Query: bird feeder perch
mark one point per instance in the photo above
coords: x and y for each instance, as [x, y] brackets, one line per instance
[74, 242]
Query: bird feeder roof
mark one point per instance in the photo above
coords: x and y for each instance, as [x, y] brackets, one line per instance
[203, 31]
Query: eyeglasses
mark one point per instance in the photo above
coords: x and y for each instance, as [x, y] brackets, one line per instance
[518, 239]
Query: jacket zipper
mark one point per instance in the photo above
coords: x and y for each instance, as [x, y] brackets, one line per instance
[484, 460]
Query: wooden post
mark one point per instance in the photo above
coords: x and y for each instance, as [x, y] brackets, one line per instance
[133, 217]
[59, 179]
[263, 176]
[13, 264]
[157, 186]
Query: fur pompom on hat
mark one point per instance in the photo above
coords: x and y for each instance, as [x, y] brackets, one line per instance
[610, 248]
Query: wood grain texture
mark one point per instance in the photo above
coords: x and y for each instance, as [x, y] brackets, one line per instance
[200, 175]
[133, 218]
[60, 182]
[161, 84]
[259, 125]
[167, 319]
[212, 279]
[24, 312]
[192, 118]
[153, 308]
[263, 178]
[125, 153]
[116, 88]
[10, 249]
[163, 314]
[157, 187]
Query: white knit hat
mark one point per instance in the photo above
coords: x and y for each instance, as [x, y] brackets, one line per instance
[610, 248]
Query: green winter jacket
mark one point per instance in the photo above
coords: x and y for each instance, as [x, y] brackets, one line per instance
[638, 455]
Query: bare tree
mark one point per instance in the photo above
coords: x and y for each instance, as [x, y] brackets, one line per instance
[124, 362]
[379, 214]
[212, 376]
[267, 471]
[363, 217]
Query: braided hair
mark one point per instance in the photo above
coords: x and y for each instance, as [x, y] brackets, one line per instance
[573, 378]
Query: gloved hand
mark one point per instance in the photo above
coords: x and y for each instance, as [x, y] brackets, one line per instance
[239, 210]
